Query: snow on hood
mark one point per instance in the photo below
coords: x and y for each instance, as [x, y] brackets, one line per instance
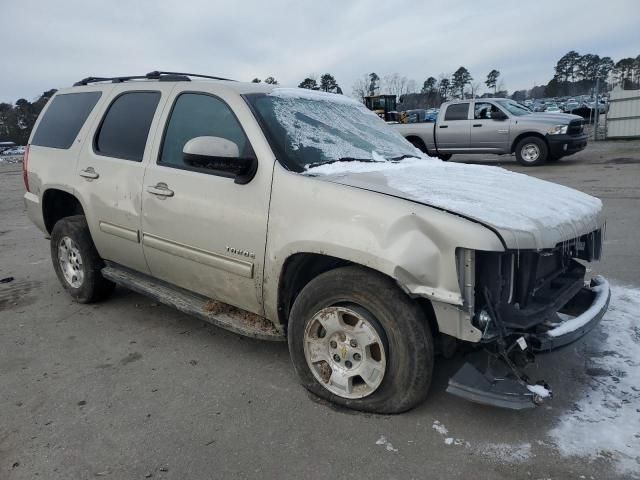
[526, 211]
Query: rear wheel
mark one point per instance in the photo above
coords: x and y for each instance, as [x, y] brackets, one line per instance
[76, 260]
[445, 156]
[531, 151]
[357, 340]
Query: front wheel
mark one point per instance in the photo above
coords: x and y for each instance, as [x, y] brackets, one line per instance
[445, 156]
[76, 260]
[357, 340]
[531, 151]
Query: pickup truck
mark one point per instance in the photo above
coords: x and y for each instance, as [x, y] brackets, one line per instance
[292, 215]
[498, 126]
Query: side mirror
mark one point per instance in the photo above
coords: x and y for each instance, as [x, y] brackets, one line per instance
[498, 115]
[221, 156]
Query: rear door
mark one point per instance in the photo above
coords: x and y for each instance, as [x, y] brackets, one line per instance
[487, 133]
[453, 131]
[201, 230]
[111, 170]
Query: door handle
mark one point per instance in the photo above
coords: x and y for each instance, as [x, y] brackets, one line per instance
[89, 173]
[444, 126]
[160, 189]
[477, 124]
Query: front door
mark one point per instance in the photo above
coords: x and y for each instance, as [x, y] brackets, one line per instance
[452, 132]
[202, 231]
[111, 168]
[487, 133]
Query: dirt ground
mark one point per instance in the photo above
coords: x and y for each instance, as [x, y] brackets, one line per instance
[129, 389]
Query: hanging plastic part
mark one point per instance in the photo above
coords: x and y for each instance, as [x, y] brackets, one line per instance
[495, 378]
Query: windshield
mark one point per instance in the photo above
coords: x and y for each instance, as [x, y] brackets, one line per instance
[514, 108]
[308, 128]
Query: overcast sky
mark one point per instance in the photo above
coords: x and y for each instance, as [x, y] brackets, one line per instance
[52, 43]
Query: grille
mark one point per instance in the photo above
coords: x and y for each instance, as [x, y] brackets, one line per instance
[576, 127]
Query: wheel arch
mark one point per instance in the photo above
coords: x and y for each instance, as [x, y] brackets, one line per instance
[302, 267]
[419, 143]
[58, 204]
[525, 135]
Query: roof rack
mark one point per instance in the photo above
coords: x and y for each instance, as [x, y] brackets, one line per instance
[155, 75]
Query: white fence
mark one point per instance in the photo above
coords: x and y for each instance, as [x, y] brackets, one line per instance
[623, 118]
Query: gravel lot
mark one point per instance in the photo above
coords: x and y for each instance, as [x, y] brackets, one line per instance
[129, 389]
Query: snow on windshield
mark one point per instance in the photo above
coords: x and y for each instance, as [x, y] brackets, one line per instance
[492, 195]
[322, 127]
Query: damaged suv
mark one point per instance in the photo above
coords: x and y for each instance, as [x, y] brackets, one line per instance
[286, 214]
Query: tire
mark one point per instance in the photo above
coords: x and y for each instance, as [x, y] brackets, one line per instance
[419, 144]
[531, 151]
[402, 352]
[445, 156]
[76, 261]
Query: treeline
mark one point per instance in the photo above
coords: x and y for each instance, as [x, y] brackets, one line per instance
[16, 121]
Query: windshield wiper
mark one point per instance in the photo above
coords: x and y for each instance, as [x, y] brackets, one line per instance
[402, 157]
[342, 159]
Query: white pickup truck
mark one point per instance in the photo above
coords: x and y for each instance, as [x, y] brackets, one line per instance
[499, 126]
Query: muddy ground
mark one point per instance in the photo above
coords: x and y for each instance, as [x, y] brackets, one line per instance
[129, 389]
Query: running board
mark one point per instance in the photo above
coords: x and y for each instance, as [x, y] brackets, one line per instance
[217, 313]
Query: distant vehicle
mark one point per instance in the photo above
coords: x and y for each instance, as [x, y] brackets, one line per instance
[553, 109]
[14, 151]
[571, 106]
[383, 105]
[500, 126]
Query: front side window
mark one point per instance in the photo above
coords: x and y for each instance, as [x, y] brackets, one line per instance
[199, 115]
[483, 110]
[457, 111]
[125, 126]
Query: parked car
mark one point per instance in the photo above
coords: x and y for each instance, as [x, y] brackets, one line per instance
[498, 126]
[14, 151]
[295, 215]
[553, 109]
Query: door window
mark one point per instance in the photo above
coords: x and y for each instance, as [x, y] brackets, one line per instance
[483, 110]
[457, 111]
[125, 127]
[198, 115]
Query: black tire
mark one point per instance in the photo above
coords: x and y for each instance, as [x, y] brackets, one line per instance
[94, 286]
[534, 143]
[419, 144]
[445, 156]
[399, 321]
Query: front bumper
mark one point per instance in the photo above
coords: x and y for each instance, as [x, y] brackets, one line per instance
[563, 145]
[495, 380]
[584, 312]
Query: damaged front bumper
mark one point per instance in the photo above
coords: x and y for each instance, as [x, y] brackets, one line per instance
[496, 378]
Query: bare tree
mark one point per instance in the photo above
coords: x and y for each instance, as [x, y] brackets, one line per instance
[360, 87]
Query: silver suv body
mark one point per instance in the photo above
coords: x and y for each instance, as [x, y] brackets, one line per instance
[285, 214]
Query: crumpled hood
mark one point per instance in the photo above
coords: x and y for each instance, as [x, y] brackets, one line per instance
[525, 211]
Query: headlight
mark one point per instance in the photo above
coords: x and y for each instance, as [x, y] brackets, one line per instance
[558, 130]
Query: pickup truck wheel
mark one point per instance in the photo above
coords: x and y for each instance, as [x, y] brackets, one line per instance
[76, 260]
[357, 340]
[531, 151]
[445, 156]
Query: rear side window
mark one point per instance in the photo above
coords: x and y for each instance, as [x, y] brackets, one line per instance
[64, 118]
[457, 111]
[125, 127]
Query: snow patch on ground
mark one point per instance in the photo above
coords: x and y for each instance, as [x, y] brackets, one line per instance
[539, 390]
[606, 421]
[440, 428]
[492, 195]
[507, 453]
[386, 443]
